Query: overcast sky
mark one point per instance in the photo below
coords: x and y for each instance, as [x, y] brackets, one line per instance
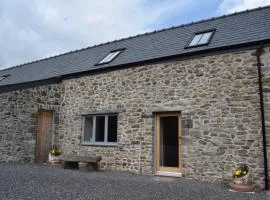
[35, 29]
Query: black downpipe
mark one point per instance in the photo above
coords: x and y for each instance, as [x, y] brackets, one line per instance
[258, 55]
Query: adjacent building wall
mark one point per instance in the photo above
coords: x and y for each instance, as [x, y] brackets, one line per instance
[265, 66]
[219, 92]
[18, 120]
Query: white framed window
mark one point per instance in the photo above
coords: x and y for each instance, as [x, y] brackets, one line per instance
[100, 129]
[202, 38]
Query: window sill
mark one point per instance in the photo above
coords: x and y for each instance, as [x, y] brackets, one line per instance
[104, 144]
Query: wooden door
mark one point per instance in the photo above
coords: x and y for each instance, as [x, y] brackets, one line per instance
[44, 135]
[168, 143]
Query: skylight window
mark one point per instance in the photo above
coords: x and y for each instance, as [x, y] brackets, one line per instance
[3, 77]
[202, 38]
[109, 58]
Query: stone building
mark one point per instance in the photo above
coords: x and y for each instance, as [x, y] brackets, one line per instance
[184, 101]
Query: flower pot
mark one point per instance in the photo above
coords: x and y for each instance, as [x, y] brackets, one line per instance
[241, 187]
[241, 180]
[53, 159]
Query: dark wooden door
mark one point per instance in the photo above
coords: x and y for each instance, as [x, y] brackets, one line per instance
[44, 135]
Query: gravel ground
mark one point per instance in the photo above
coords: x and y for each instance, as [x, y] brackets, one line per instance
[36, 181]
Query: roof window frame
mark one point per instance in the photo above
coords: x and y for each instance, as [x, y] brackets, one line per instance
[4, 77]
[212, 31]
[108, 55]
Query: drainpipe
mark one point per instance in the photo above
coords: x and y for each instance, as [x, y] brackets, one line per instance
[258, 55]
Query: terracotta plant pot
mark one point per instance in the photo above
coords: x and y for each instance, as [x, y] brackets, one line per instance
[241, 187]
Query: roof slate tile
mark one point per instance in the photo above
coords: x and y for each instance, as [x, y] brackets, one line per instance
[241, 28]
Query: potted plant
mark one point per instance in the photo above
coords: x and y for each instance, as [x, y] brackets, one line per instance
[54, 154]
[241, 175]
[241, 179]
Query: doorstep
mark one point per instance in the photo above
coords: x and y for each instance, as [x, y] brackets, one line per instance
[169, 174]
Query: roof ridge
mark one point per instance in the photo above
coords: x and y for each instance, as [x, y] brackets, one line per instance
[142, 34]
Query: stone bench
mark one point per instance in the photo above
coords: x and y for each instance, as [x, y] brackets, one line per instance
[83, 163]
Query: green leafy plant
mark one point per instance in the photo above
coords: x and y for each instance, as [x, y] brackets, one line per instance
[55, 151]
[240, 171]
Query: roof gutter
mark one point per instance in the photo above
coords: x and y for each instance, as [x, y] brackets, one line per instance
[31, 84]
[266, 176]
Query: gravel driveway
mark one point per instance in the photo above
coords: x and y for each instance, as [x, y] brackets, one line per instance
[34, 181]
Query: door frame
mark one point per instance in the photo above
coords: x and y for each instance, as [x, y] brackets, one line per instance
[157, 143]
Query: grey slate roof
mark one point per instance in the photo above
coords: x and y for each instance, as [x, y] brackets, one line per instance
[236, 29]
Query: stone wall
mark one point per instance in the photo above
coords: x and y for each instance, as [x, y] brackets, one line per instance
[222, 96]
[265, 62]
[18, 120]
[219, 92]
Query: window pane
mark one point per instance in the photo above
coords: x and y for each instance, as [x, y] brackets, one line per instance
[3, 77]
[169, 147]
[205, 38]
[195, 40]
[88, 127]
[104, 59]
[112, 128]
[113, 55]
[109, 57]
[100, 123]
